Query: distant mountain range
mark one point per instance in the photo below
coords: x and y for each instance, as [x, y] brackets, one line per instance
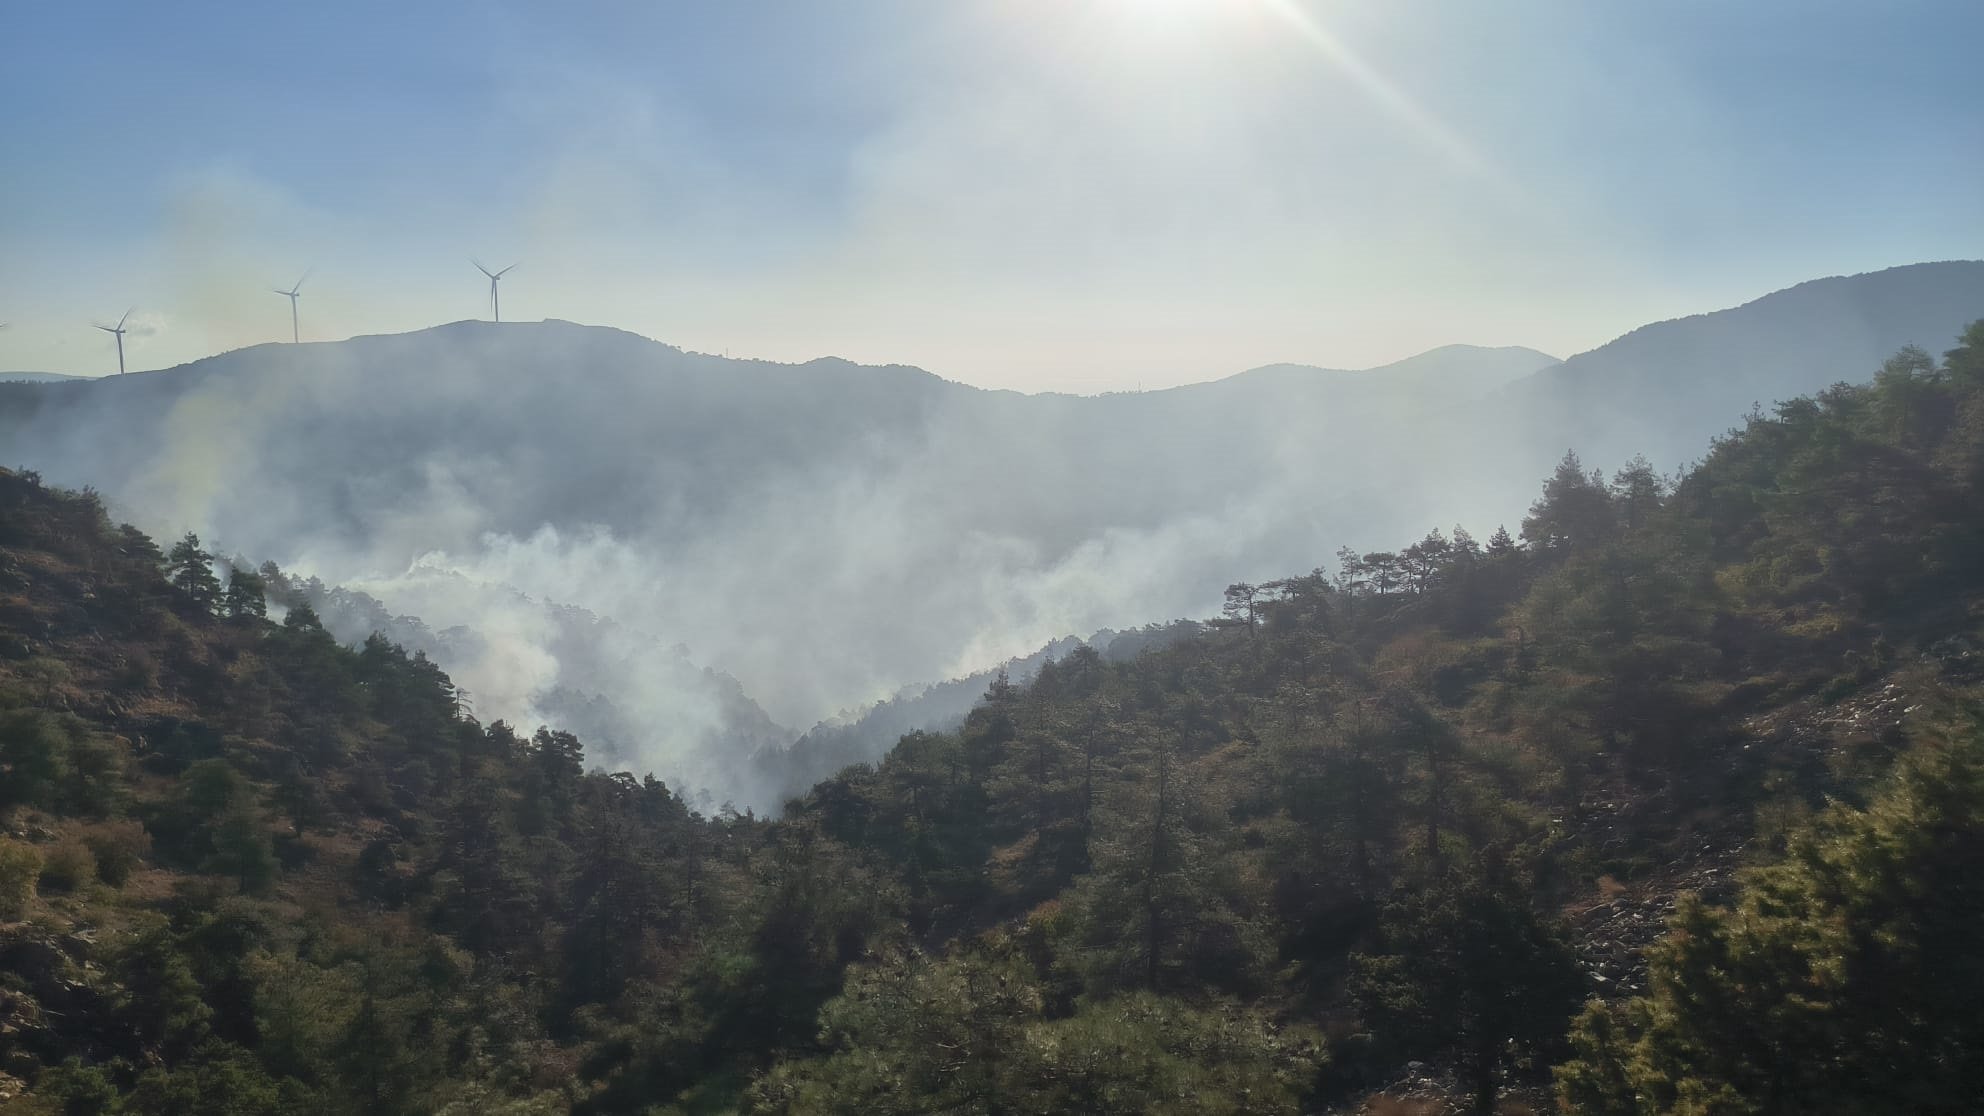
[827, 534]
[1661, 388]
[34, 377]
[1466, 369]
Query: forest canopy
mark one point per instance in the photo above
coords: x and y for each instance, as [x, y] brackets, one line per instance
[1666, 801]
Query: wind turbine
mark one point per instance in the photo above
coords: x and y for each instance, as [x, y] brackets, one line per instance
[118, 330]
[495, 302]
[291, 293]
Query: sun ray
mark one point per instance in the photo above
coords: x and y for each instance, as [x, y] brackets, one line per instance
[1427, 127]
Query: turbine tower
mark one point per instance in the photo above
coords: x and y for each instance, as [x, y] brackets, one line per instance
[495, 301]
[294, 334]
[118, 331]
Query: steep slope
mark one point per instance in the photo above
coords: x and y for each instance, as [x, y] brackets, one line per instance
[865, 736]
[1665, 390]
[244, 869]
[696, 500]
[1660, 388]
[828, 533]
[630, 697]
[1379, 795]
[520, 425]
[1318, 846]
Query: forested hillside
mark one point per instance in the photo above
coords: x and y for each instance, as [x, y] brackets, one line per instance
[829, 534]
[1406, 832]
[941, 707]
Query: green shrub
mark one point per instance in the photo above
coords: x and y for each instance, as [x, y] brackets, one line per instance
[75, 1088]
[20, 864]
[56, 762]
[67, 867]
[51, 673]
[1839, 688]
[119, 846]
[137, 672]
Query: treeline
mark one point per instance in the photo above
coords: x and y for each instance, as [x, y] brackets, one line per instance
[1259, 870]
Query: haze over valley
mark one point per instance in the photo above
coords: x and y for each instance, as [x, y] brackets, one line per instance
[711, 555]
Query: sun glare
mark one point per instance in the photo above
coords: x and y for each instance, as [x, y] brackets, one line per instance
[1172, 14]
[1197, 28]
[1385, 94]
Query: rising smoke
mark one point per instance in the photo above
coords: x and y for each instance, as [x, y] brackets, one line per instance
[692, 559]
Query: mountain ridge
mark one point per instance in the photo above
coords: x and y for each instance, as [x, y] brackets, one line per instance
[711, 502]
[466, 327]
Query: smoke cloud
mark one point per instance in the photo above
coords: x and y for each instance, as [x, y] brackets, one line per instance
[690, 560]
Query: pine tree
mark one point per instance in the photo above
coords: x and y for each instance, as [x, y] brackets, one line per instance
[1844, 981]
[1574, 511]
[247, 595]
[1637, 490]
[191, 569]
[1468, 967]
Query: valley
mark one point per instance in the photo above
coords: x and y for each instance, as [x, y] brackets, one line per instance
[799, 542]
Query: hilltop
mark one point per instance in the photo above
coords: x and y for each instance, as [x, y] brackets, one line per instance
[1468, 370]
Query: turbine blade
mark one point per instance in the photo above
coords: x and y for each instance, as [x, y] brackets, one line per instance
[482, 269]
[299, 283]
[506, 271]
[125, 318]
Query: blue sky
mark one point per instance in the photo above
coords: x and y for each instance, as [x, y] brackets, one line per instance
[1042, 194]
